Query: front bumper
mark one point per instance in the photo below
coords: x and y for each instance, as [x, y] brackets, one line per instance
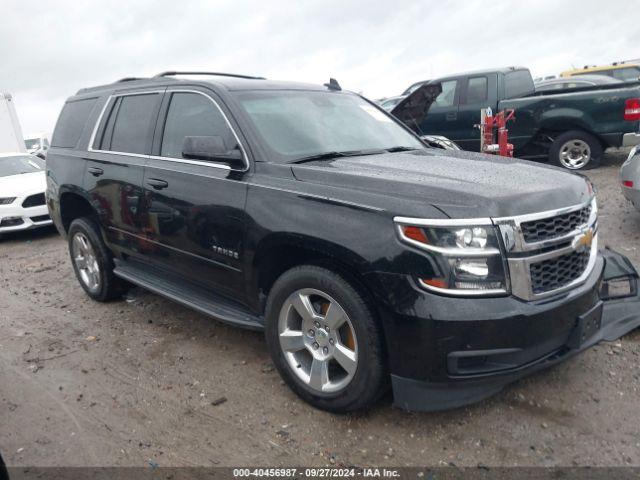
[15, 217]
[447, 354]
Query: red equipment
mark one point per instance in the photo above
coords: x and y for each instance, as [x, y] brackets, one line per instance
[489, 122]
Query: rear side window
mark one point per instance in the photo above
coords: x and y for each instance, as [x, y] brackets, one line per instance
[518, 84]
[130, 121]
[71, 123]
[477, 90]
[193, 115]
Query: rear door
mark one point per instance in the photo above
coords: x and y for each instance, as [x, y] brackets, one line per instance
[118, 151]
[442, 118]
[477, 92]
[194, 209]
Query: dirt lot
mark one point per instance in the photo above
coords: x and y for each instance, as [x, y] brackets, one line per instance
[143, 381]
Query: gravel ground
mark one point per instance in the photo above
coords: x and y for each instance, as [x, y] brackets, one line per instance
[144, 381]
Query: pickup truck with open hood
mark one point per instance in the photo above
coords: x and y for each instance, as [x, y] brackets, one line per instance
[571, 128]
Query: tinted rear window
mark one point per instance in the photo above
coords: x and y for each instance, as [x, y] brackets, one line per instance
[71, 122]
[518, 84]
[133, 122]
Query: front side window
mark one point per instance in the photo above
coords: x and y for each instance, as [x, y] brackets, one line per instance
[477, 90]
[298, 123]
[129, 123]
[448, 95]
[193, 114]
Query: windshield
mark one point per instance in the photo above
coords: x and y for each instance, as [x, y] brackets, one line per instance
[32, 143]
[19, 164]
[299, 124]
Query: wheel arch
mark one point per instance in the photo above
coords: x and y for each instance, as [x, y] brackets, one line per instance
[554, 125]
[74, 204]
[279, 252]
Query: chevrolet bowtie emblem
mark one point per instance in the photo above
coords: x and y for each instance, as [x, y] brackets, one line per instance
[583, 241]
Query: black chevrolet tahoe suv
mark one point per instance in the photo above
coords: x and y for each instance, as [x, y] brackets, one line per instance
[370, 260]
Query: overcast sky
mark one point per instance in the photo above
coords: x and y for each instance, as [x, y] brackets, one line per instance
[49, 50]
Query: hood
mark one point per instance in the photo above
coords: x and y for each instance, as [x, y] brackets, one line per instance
[460, 184]
[24, 184]
[412, 110]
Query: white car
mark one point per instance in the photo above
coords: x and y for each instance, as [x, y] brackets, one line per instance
[630, 177]
[22, 187]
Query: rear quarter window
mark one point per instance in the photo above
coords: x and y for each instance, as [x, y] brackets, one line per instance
[71, 123]
[518, 84]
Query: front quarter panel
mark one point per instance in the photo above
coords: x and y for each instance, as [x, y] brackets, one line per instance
[335, 224]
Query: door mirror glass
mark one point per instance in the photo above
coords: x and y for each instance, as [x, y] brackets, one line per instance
[211, 148]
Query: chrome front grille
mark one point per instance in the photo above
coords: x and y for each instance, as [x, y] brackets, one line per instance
[557, 272]
[548, 228]
[550, 252]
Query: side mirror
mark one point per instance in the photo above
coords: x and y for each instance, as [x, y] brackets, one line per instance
[211, 148]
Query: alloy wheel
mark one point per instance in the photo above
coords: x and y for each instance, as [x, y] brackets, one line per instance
[85, 260]
[318, 340]
[575, 154]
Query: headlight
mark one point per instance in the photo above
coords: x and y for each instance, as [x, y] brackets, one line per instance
[467, 259]
[7, 200]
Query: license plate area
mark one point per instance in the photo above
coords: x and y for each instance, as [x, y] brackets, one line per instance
[586, 326]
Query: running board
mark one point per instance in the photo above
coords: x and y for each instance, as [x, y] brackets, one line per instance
[194, 297]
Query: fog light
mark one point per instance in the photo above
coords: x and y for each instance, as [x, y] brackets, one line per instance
[617, 288]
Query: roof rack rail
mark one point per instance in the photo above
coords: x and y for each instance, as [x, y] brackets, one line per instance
[171, 73]
[129, 79]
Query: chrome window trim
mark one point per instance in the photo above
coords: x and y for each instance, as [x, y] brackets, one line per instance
[169, 159]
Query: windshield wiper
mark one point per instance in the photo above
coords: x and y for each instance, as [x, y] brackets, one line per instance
[400, 149]
[330, 155]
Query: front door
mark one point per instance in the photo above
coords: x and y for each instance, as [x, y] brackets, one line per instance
[194, 209]
[442, 117]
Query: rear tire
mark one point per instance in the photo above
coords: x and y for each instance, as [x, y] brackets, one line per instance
[93, 262]
[575, 150]
[339, 369]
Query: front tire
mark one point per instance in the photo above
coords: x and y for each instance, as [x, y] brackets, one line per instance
[92, 261]
[575, 150]
[324, 340]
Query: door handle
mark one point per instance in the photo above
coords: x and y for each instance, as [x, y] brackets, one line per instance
[157, 184]
[451, 116]
[95, 171]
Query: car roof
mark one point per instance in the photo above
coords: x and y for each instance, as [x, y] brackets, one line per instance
[485, 71]
[223, 81]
